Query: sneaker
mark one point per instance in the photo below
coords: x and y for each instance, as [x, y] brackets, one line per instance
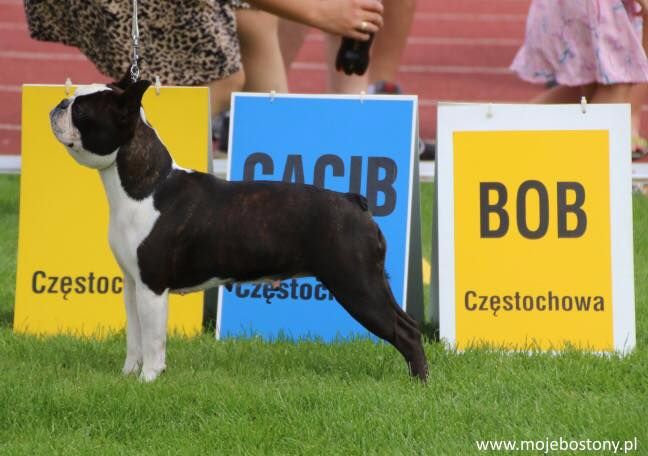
[384, 88]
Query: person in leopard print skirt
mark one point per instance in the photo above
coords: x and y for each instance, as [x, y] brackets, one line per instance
[189, 42]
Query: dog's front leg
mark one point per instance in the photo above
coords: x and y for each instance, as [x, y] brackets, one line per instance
[152, 310]
[133, 329]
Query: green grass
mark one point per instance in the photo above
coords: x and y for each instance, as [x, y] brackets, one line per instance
[8, 245]
[65, 396]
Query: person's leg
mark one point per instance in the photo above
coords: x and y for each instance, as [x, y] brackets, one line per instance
[260, 52]
[339, 82]
[638, 95]
[612, 93]
[390, 42]
[564, 94]
[387, 52]
[221, 89]
[626, 93]
[220, 92]
[291, 38]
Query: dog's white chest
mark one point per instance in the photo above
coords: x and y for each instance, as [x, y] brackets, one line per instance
[131, 221]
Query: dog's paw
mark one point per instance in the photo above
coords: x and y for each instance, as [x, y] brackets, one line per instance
[131, 366]
[150, 374]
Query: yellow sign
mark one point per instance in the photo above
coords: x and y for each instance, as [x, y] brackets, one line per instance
[535, 227]
[67, 278]
[532, 239]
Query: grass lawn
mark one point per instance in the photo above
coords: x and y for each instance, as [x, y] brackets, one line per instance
[66, 395]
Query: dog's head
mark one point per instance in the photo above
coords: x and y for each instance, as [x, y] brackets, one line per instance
[94, 122]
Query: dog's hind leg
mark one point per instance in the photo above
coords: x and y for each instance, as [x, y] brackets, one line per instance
[153, 311]
[371, 302]
[409, 339]
[133, 329]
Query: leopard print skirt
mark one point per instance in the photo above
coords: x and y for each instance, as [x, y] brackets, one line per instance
[188, 42]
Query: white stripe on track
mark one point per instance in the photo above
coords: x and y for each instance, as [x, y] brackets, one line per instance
[10, 164]
[444, 41]
[471, 17]
[421, 69]
[10, 88]
[458, 41]
[31, 55]
[13, 26]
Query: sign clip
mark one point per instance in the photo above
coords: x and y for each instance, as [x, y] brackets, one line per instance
[158, 85]
[272, 95]
[583, 104]
[68, 86]
[489, 110]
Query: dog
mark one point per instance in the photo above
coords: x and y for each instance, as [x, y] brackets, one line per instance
[174, 230]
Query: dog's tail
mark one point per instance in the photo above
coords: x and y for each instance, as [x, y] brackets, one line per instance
[358, 200]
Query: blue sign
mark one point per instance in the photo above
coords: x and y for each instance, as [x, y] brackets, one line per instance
[345, 143]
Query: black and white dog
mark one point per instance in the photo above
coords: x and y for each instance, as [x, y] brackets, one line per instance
[176, 230]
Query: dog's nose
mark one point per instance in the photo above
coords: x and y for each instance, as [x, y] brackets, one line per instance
[63, 104]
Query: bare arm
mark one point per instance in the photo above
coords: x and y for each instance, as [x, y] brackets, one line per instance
[340, 17]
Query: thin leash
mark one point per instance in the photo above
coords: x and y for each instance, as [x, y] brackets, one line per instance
[134, 69]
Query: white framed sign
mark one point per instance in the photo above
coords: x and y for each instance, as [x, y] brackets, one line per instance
[535, 227]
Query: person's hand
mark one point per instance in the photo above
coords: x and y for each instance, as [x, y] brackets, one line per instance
[357, 19]
[643, 11]
[353, 56]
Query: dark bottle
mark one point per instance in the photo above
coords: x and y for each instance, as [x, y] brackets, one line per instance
[353, 56]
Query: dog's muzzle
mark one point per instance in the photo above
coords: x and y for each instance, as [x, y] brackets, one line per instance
[62, 106]
[60, 121]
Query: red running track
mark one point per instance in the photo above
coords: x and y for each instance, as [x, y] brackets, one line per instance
[458, 50]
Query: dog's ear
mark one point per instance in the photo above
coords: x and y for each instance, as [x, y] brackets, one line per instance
[132, 97]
